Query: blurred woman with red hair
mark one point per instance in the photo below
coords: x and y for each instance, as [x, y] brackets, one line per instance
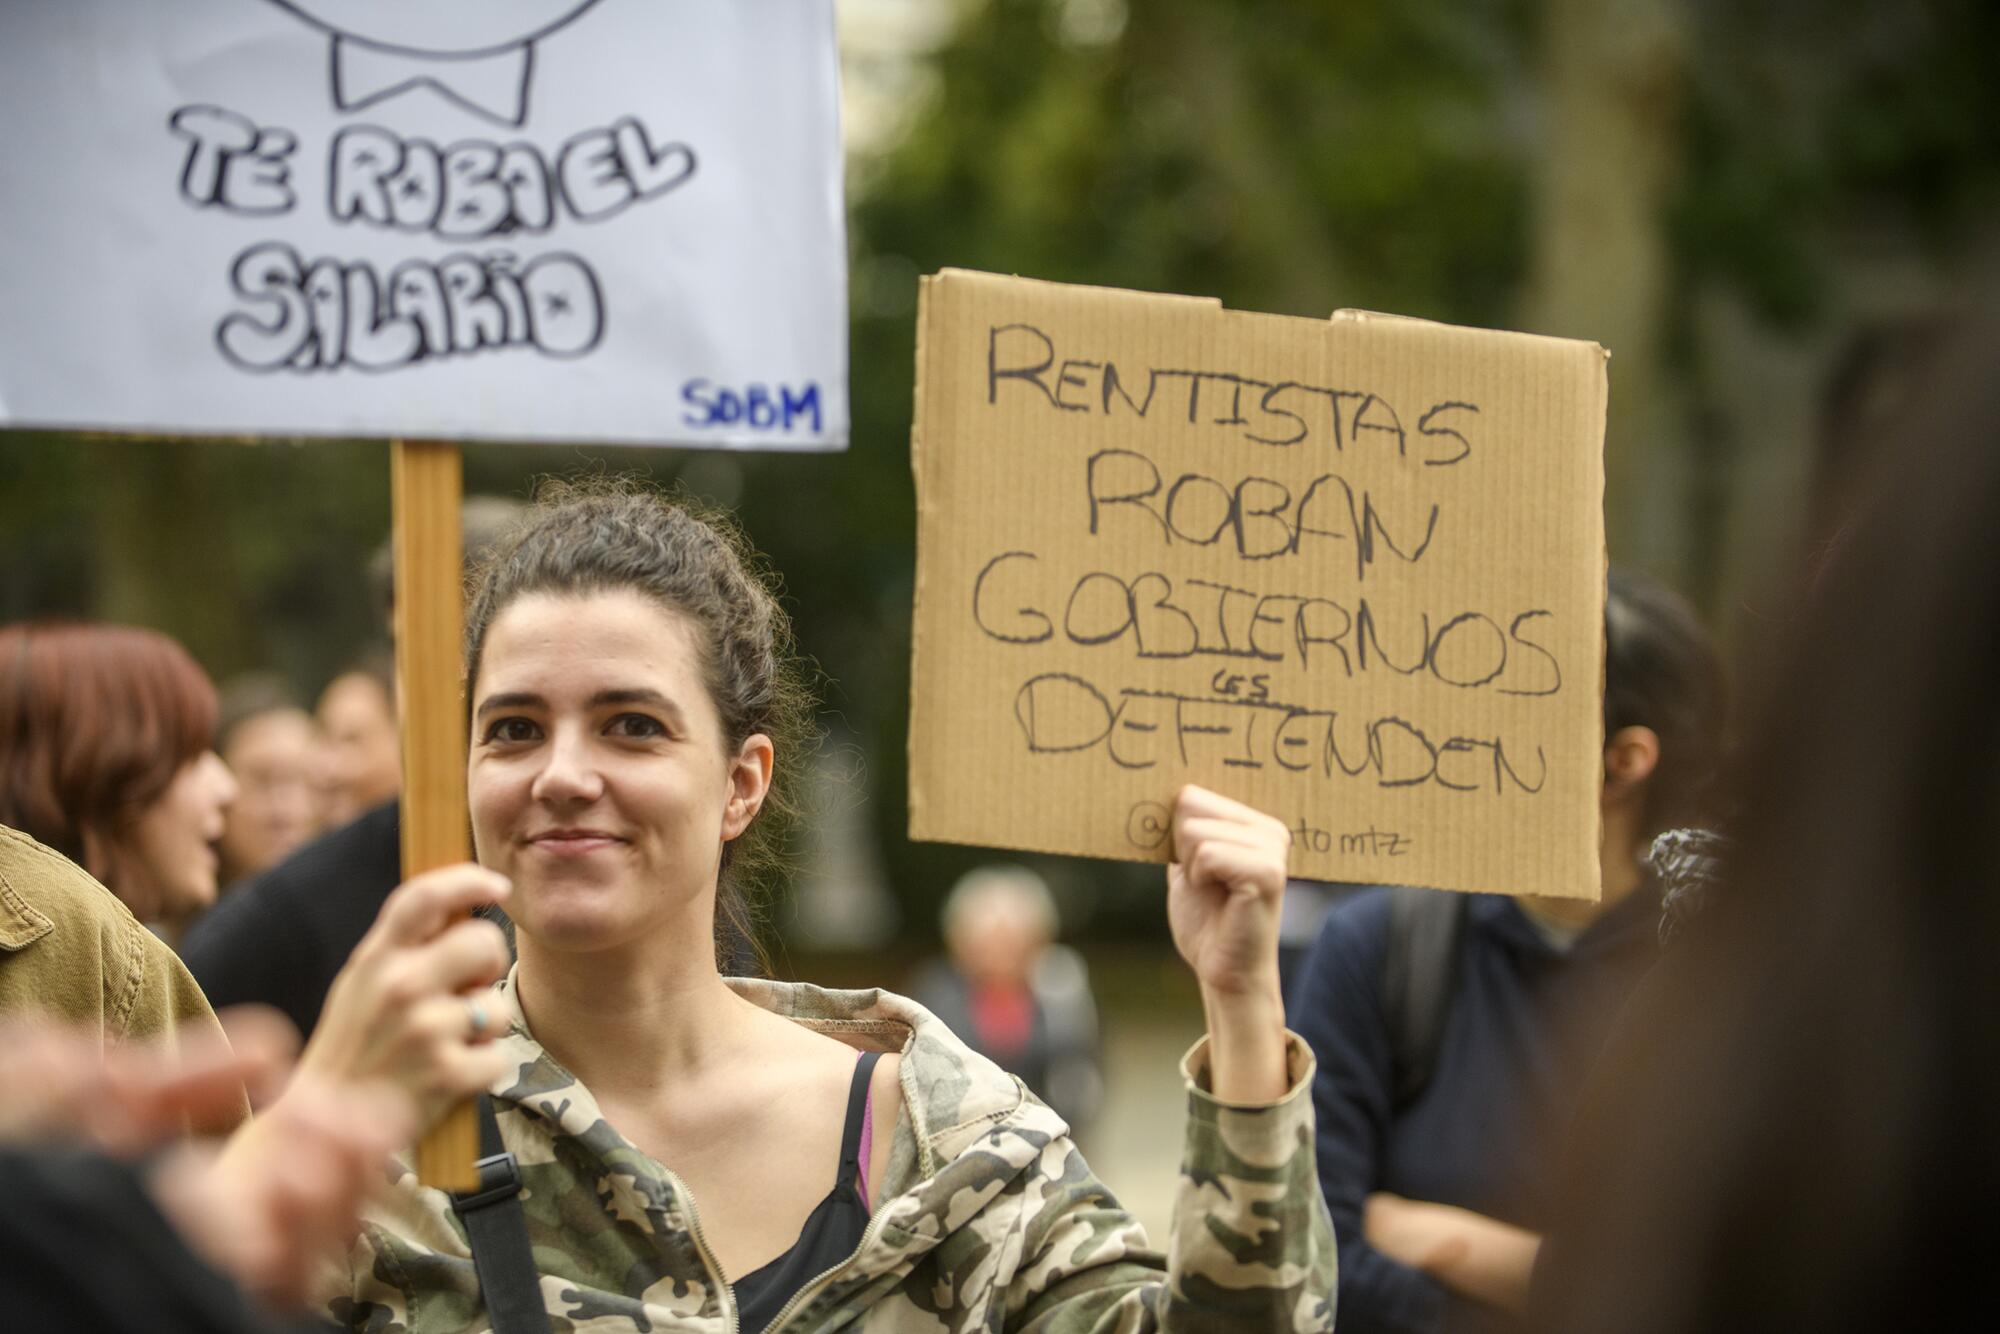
[106, 736]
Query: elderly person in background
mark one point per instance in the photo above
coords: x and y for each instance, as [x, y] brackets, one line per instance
[1012, 993]
[363, 765]
[272, 746]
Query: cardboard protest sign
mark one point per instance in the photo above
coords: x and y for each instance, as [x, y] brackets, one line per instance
[607, 220]
[1350, 572]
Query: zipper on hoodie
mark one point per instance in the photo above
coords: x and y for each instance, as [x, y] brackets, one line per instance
[725, 1294]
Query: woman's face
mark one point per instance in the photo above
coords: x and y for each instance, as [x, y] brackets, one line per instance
[599, 780]
[167, 859]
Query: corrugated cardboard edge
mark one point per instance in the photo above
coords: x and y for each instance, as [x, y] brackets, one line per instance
[978, 277]
[1348, 315]
[925, 290]
[1603, 382]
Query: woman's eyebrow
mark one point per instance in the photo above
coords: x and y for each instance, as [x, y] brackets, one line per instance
[636, 695]
[524, 699]
[519, 699]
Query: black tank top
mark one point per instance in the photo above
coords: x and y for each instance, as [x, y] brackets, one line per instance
[831, 1232]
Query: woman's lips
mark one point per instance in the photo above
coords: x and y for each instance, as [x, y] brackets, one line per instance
[574, 842]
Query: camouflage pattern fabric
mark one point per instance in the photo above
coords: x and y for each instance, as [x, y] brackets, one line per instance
[988, 1218]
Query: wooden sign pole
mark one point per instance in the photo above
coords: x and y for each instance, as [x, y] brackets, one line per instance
[426, 481]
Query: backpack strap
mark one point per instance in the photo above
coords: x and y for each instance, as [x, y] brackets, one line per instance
[1419, 983]
[497, 1231]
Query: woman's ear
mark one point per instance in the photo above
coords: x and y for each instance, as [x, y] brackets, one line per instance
[749, 781]
[1631, 754]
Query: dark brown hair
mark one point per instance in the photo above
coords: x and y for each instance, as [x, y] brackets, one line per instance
[601, 536]
[1661, 671]
[95, 721]
[1793, 1129]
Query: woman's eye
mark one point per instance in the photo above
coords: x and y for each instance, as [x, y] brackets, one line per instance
[506, 730]
[636, 725]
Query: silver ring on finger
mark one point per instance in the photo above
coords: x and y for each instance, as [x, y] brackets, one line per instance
[475, 1014]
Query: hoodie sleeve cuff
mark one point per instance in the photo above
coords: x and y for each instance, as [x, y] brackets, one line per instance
[1299, 1066]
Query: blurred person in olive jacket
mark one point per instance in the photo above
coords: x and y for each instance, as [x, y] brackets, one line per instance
[69, 949]
[106, 755]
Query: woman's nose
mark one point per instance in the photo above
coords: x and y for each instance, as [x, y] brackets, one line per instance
[570, 773]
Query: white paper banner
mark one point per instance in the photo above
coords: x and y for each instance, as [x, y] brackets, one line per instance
[569, 220]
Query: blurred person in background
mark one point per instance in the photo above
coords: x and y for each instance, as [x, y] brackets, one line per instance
[357, 711]
[1454, 1032]
[362, 757]
[281, 938]
[105, 736]
[1013, 993]
[1793, 1129]
[272, 747]
[1307, 902]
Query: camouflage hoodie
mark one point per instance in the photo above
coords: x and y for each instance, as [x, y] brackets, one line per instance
[988, 1218]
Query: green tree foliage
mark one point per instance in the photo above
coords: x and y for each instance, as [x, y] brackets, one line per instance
[1824, 135]
[1279, 156]
[252, 555]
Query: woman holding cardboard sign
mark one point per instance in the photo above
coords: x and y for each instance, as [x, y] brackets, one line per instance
[701, 1152]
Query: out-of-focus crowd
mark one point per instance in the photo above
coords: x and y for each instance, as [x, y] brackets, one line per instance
[107, 735]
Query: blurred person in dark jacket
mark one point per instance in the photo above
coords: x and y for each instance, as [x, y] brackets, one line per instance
[1437, 1148]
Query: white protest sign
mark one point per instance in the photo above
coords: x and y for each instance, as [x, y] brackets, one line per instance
[569, 220]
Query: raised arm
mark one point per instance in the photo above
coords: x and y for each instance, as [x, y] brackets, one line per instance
[1224, 887]
[1251, 1246]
